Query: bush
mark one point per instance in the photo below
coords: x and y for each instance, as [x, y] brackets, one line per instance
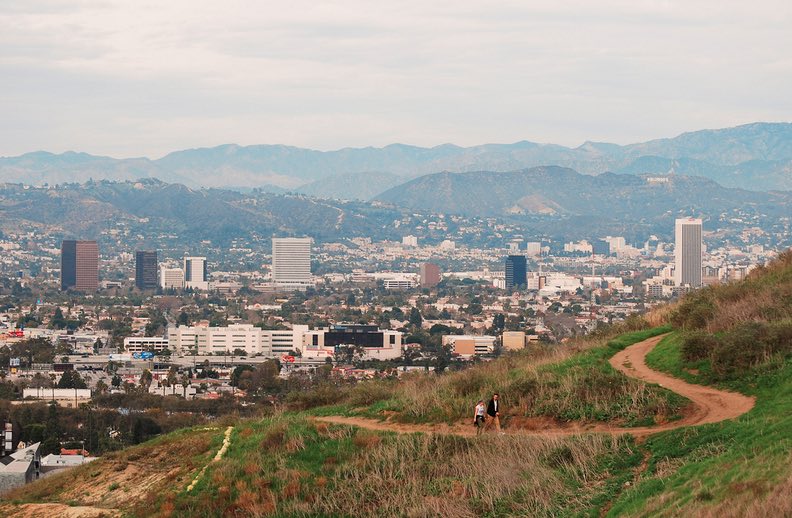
[748, 345]
[695, 311]
[698, 345]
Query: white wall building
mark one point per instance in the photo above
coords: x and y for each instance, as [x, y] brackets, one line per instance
[687, 252]
[138, 344]
[291, 262]
[171, 278]
[195, 273]
[409, 241]
[275, 343]
[533, 249]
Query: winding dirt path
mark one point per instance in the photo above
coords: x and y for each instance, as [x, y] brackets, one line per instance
[708, 405]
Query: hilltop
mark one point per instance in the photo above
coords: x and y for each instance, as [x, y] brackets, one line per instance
[752, 156]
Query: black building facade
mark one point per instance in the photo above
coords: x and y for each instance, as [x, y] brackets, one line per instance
[516, 271]
[146, 270]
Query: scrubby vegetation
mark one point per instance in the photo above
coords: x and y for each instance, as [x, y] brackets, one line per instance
[573, 382]
[289, 466]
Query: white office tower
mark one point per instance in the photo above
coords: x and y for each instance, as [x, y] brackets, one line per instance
[171, 278]
[687, 252]
[291, 263]
[195, 274]
[410, 241]
[533, 249]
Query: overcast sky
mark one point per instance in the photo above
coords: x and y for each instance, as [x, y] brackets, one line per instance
[133, 78]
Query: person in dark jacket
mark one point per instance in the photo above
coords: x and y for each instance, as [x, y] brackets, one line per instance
[494, 411]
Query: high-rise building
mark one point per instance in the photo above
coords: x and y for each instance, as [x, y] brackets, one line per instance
[146, 269]
[196, 275]
[171, 278]
[410, 241]
[601, 247]
[687, 252]
[533, 248]
[79, 265]
[291, 262]
[516, 271]
[430, 275]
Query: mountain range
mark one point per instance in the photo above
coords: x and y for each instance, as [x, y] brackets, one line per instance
[754, 156]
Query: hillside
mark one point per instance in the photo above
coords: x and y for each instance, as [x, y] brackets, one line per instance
[730, 339]
[353, 186]
[561, 191]
[751, 156]
[151, 207]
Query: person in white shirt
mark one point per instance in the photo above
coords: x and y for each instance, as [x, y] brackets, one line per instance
[478, 416]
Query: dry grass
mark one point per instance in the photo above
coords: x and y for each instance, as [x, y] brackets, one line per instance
[435, 475]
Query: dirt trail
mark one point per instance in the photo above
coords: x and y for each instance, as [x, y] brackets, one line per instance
[708, 405]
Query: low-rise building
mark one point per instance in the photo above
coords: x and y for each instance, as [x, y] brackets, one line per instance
[467, 346]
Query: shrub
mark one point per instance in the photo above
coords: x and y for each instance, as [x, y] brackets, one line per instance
[698, 345]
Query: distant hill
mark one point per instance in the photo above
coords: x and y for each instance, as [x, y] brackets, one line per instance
[561, 191]
[353, 186]
[151, 207]
[754, 156]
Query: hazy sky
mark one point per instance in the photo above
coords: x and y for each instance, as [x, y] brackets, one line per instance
[132, 78]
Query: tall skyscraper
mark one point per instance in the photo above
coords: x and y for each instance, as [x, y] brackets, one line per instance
[146, 269]
[195, 273]
[430, 275]
[291, 262]
[687, 252]
[79, 265]
[516, 271]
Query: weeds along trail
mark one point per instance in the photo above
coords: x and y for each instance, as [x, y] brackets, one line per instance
[709, 405]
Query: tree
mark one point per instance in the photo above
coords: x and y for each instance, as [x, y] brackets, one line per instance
[71, 380]
[101, 387]
[98, 345]
[58, 320]
[499, 322]
[51, 442]
[442, 358]
[415, 318]
[146, 378]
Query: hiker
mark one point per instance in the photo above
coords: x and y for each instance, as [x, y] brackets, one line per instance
[478, 416]
[493, 411]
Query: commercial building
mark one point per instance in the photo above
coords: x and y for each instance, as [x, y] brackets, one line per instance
[410, 241]
[146, 269]
[276, 343]
[171, 278]
[513, 340]
[196, 275]
[601, 247]
[516, 271]
[470, 345]
[138, 344]
[79, 265]
[291, 263]
[430, 275]
[533, 248]
[687, 252]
